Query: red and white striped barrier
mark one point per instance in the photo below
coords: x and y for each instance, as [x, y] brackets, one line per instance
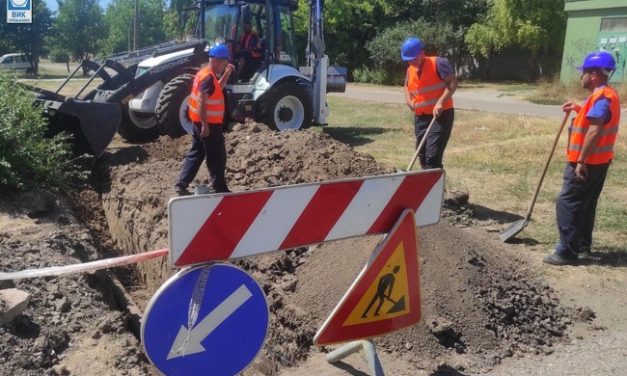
[235, 225]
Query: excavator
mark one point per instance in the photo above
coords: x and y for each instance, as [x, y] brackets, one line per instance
[144, 93]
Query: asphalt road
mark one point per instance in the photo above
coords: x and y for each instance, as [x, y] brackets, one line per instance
[488, 100]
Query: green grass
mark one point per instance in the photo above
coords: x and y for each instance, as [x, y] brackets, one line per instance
[496, 158]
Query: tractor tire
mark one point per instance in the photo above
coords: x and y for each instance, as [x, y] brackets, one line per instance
[171, 111]
[132, 132]
[286, 106]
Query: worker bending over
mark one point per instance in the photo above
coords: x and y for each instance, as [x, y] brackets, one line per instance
[429, 87]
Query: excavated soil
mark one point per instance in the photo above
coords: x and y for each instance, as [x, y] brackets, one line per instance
[478, 306]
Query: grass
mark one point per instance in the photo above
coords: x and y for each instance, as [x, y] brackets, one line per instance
[497, 158]
[555, 92]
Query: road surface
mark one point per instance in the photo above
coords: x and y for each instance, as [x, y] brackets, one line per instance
[488, 100]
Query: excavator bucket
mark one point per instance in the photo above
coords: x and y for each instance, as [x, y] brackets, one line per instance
[92, 125]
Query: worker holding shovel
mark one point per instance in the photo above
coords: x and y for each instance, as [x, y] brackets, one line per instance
[429, 87]
[590, 152]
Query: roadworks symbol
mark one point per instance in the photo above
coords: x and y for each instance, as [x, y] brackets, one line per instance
[386, 296]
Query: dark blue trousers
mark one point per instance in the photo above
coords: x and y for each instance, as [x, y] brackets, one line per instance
[576, 208]
[432, 153]
[211, 148]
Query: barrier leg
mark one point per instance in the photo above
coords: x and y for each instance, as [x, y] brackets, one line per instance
[370, 352]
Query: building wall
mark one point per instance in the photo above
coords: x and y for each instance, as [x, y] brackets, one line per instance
[584, 34]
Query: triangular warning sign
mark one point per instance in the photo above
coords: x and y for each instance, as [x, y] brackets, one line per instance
[385, 297]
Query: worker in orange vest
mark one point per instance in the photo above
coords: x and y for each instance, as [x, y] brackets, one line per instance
[429, 87]
[589, 153]
[206, 111]
[248, 55]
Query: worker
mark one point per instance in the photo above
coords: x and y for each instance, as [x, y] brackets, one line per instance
[249, 54]
[206, 111]
[429, 86]
[589, 154]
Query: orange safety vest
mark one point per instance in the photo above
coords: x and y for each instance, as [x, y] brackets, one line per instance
[247, 39]
[425, 89]
[214, 104]
[603, 151]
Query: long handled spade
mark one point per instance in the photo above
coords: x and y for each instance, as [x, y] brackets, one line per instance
[518, 226]
[422, 143]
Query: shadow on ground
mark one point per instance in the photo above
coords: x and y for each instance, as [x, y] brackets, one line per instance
[356, 136]
[613, 256]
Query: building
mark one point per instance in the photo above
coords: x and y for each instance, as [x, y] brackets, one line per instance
[594, 25]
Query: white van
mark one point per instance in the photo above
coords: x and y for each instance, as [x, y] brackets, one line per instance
[16, 62]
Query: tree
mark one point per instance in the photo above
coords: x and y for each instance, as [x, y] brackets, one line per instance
[79, 27]
[533, 25]
[27, 38]
[119, 21]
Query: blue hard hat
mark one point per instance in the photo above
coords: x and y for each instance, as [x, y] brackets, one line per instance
[219, 51]
[599, 59]
[411, 48]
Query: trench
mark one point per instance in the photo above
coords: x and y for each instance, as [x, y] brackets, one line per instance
[478, 303]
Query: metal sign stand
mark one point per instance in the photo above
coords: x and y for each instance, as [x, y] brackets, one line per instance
[370, 353]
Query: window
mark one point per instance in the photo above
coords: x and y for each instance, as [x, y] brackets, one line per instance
[9, 60]
[614, 24]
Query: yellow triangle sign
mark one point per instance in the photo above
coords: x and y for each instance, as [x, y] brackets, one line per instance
[385, 297]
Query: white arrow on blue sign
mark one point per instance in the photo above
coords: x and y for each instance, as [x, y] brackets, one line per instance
[206, 320]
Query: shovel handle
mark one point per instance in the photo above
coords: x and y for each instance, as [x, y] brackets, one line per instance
[546, 165]
[422, 143]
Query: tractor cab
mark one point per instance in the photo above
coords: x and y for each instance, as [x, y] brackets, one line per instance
[257, 32]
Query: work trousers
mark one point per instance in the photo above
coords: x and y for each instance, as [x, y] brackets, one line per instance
[213, 150]
[432, 153]
[576, 208]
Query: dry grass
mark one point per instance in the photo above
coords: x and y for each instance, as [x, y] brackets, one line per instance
[497, 158]
[70, 89]
[555, 92]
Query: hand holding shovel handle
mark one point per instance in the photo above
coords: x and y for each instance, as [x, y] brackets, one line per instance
[422, 143]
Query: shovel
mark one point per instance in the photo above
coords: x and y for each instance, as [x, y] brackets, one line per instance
[422, 143]
[518, 226]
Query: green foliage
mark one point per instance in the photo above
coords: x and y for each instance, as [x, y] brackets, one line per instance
[78, 27]
[59, 55]
[534, 25]
[378, 76]
[347, 26]
[27, 38]
[119, 21]
[385, 48]
[27, 159]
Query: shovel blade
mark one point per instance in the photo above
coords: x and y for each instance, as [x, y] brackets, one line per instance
[513, 229]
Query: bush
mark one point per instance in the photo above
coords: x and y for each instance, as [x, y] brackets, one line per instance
[385, 48]
[27, 159]
[59, 55]
[378, 76]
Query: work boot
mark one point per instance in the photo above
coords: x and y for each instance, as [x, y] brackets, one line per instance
[585, 254]
[181, 191]
[560, 259]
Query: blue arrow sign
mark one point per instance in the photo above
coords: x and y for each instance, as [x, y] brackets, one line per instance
[206, 320]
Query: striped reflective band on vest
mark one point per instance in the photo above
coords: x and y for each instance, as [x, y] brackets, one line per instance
[214, 104]
[427, 88]
[603, 151]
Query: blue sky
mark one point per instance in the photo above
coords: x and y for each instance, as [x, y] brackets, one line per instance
[53, 6]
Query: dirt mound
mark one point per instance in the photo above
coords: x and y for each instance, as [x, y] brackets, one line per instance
[476, 303]
[68, 319]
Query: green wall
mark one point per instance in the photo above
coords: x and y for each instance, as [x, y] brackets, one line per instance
[583, 33]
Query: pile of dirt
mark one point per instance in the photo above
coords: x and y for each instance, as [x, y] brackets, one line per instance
[478, 306]
[68, 319]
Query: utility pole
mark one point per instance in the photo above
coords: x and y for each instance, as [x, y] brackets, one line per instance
[135, 24]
